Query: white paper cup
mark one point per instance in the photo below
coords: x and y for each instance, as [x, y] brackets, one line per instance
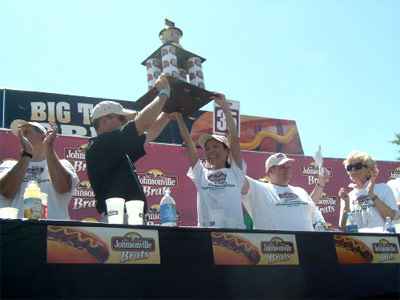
[115, 210]
[216, 217]
[134, 209]
[8, 213]
[231, 223]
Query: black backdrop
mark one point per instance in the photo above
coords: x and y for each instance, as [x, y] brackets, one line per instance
[186, 270]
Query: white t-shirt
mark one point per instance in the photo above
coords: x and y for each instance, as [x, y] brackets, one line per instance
[394, 184]
[57, 205]
[364, 210]
[219, 189]
[274, 207]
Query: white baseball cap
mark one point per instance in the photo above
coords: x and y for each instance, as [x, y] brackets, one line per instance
[203, 139]
[19, 123]
[111, 107]
[276, 159]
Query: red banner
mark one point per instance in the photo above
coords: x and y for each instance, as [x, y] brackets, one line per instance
[167, 165]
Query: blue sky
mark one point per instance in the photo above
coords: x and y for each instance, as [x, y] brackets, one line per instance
[332, 66]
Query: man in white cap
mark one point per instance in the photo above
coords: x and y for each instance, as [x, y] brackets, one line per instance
[39, 162]
[278, 205]
[121, 137]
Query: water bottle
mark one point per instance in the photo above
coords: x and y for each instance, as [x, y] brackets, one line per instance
[351, 225]
[168, 209]
[389, 228]
[319, 226]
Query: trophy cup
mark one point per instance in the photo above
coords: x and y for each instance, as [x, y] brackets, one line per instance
[180, 65]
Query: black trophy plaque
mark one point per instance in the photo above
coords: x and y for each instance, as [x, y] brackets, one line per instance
[185, 97]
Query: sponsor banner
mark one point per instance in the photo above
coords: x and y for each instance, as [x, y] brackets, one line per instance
[168, 170]
[254, 249]
[72, 115]
[93, 245]
[366, 249]
[256, 133]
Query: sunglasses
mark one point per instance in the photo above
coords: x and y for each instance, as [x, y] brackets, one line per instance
[357, 166]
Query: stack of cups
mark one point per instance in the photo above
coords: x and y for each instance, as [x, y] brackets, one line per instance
[169, 61]
[195, 72]
[8, 213]
[134, 209]
[153, 71]
[216, 217]
[115, 210]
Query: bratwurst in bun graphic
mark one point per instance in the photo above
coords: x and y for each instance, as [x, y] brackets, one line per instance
[75, 245]
[258, 134]
[230, 249]
[352, 251]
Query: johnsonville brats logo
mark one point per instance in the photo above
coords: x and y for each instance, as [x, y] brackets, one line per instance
[312, 172]
[385, 250]
[154, 182]
[83, 196]
[133, 246]
[327, 204]
[393, 174]
[277, 250]
[76, 155]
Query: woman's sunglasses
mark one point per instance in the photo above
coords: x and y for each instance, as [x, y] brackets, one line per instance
[357, 166]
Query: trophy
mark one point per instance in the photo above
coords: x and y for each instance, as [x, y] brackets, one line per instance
[184, 70]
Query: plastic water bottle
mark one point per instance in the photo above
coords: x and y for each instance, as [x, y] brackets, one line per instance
[389, 228]
[168, 209]
[351, 225]
[319, 226]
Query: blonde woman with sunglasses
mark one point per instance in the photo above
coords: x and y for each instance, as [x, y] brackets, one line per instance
[368, 201]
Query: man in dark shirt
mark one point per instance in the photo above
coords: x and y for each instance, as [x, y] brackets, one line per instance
[121, 137]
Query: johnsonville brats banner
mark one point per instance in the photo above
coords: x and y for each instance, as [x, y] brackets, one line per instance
[102, 245]
[166, 165]
[254, 249]
[366, 249]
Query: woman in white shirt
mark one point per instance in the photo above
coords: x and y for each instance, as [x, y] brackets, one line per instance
[369, 202]
[219, 186]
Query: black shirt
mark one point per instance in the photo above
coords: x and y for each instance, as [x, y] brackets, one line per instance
[109, 171]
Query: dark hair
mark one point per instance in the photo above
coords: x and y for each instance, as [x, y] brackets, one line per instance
[227, 164]
[96, 123]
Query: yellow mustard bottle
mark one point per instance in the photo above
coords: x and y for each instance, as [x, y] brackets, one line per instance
[33, 201]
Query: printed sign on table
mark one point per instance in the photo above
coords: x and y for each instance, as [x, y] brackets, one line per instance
[366, 249]
[98, 245]
[219, 118]
[254, 249]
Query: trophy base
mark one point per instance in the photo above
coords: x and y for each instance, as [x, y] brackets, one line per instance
[185, 97]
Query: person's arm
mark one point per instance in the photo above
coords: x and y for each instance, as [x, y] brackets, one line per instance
[245, 187]
[155, 129]
[319, 187]
[150, 113]
[59, 175]
[11, 182]
[384, 209]
[235, 144]
[344, 208]
[190, 146]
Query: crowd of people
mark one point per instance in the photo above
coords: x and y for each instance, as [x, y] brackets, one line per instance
[221, 183]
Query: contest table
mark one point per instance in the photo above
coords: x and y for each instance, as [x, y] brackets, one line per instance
[185, 268]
